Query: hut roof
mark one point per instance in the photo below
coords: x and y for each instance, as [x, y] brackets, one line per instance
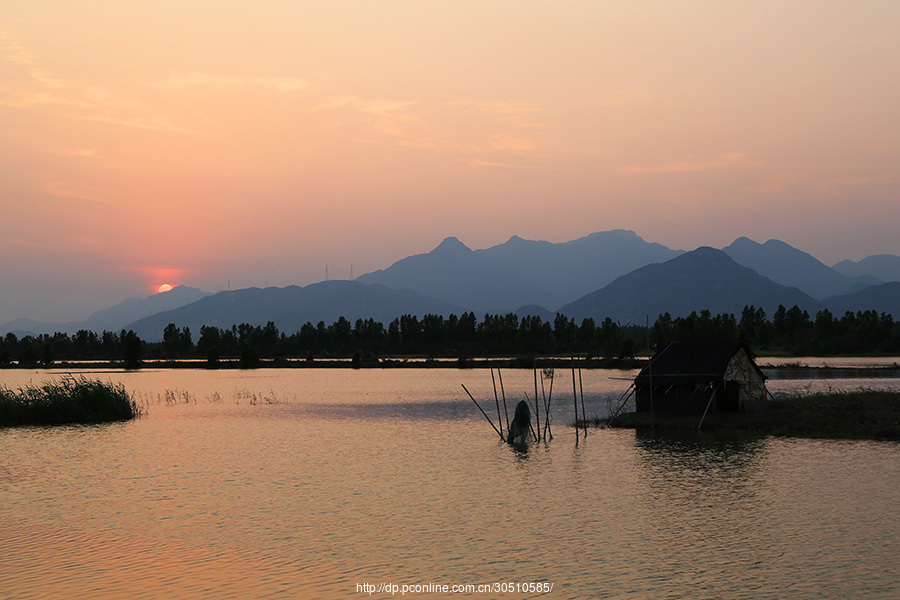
[689, 363]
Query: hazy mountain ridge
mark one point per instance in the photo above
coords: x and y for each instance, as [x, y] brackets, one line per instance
[789, 266]
[524, 277]
[883, 298]
[116, 317]
[291, 307]
[883, 267]
[705, 278]
[578, 267]
[521, 272]
[455, 273]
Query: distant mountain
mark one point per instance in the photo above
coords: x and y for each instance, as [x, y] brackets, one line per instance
[291, 307]
[703, 279]
[456, 274]
[533, 310]
[884, 298]
[572, 269]
[520, 272]
[784, 264]
[130, 310]
[883, 267]
[114, 318]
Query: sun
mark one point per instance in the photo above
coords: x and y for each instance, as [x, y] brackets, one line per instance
[164, 288]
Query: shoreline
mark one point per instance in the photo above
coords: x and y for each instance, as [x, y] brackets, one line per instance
[347, 363]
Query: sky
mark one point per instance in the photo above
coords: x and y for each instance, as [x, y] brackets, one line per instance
[227, 143]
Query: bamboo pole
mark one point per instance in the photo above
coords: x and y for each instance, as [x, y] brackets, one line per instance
[503, 393]
[708, 404]
[583, 413]
[547, 399]
[482, 412]
[575, 400]
[537, 409]
[497, 401]
[624, 400]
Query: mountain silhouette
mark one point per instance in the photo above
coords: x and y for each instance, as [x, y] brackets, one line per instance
[572, 269]
[884, 298]
[784, 264]
[293, 306]
[456, 274]
[520, 272]
[703, 279]
[115, 317]
[883, 267]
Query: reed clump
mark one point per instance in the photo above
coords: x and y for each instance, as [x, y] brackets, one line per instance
[67, 401]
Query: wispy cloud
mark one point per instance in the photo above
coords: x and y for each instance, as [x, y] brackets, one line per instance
[35, 86]
[84, 242]
[502, 165]
[155, 123]
[684, 166]
[66, 189]
[380, 108]
[195, 79]
[82, 152]
[494, 107]
[392, 117]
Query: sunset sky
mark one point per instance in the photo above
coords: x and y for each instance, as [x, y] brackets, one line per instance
[206, 142]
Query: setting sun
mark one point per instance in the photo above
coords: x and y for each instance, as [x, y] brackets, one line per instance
[164, 288]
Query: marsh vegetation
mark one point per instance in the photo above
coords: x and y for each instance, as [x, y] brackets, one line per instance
[69, 400]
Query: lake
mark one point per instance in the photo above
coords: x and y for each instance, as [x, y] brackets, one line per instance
[317, 483]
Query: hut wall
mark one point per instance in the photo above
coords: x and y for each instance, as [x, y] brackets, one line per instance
[752, 385]
[675, 399]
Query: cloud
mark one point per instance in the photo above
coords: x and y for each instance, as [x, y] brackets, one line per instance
[84, 242]
[156, 123]
[195, 79]
[392, 117]
[501, 165]
[380, 108]
[83, 152]
[35, 86]
[511, 143]
[66, 189]
[494, 107]
[684, 166]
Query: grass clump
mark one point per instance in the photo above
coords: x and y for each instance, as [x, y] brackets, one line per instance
[68, 401]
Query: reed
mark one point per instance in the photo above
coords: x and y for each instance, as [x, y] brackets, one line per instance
[67, 401]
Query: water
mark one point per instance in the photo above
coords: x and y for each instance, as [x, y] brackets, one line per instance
[311, 483]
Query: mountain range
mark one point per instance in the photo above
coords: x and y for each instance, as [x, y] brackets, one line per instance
[612, 274]
[292, 306]
[116, 317]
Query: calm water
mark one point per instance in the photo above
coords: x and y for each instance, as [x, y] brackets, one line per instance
[308, 483]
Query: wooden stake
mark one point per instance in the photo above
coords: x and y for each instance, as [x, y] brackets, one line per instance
[503, 393]
[583, 414]
[547, 400]
[497, 401]
[708, 404]
[482, 412]
[575, 399]
[537, 412]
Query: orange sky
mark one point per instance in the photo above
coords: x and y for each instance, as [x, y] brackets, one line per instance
[202, 142]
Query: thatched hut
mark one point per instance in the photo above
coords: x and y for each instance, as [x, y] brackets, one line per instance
[696, 377]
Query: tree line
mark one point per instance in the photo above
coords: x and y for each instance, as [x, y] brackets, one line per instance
[789, 331]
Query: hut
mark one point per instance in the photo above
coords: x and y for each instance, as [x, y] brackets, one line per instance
[699, 377]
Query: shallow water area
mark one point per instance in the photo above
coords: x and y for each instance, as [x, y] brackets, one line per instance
[311, 483]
